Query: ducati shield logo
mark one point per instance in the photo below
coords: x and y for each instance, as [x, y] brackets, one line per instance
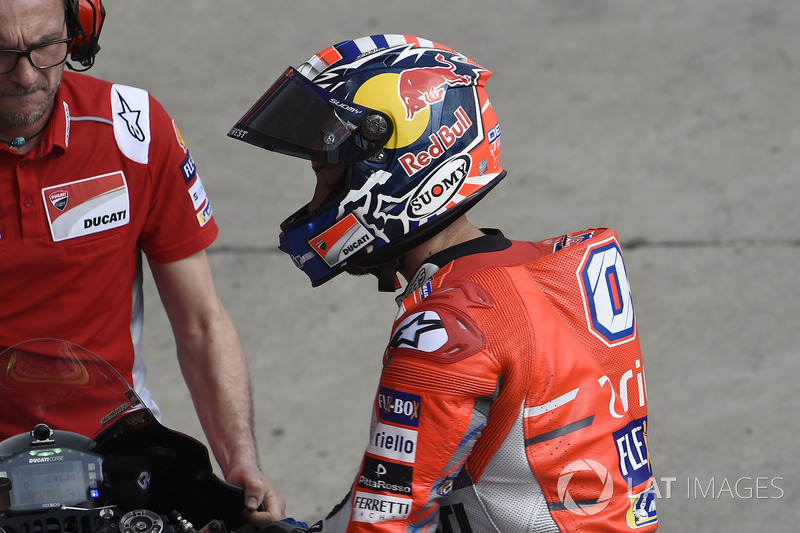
[341, 240]
[59, 199]
[87, 206]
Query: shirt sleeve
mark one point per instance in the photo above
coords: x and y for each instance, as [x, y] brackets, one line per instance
[432, 403]
[179, 221]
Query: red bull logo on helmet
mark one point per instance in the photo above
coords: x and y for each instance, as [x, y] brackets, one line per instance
[420, 87]
[440, 143]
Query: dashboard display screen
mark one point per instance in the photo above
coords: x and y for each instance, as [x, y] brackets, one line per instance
[42, 484]
[52, 478]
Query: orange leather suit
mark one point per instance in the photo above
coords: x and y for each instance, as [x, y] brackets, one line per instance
[512, 397]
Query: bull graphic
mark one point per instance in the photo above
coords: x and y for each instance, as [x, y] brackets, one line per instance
[421, 87]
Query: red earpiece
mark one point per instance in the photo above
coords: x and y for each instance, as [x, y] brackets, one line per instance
[85, 20]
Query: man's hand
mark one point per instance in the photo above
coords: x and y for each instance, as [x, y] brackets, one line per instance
[257, 490]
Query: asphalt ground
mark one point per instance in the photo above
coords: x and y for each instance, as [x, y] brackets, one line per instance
[675, 122]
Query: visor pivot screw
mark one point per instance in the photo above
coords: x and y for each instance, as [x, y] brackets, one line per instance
[374, 128]
[378, 158]
[329, 138]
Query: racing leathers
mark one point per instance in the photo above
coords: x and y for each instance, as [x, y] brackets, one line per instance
[512, 397]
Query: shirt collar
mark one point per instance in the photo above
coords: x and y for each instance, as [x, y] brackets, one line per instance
[493, 240]
[56, 135]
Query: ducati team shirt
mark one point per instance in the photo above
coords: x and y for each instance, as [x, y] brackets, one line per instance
[111, 177]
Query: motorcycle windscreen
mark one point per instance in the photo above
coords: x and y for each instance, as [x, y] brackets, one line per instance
[298, 118]
[58, 383]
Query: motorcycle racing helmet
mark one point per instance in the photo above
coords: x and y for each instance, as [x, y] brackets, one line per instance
[411, 121]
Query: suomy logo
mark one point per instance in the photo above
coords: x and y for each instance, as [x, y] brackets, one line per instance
[439, 188]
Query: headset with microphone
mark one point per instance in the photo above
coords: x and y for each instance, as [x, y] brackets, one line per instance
[84, 22]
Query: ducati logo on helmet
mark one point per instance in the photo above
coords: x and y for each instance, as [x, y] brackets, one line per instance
[347, 235]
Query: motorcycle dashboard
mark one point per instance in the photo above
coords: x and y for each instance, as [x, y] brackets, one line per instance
[48, 478]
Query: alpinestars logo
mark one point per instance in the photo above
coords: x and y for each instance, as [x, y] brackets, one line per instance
[421, 331]
[131, 118]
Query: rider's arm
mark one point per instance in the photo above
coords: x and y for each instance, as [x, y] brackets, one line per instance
[215, 369]
[435, 391]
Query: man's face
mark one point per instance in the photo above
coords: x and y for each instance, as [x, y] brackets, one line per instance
[27, 93]
[328, 175]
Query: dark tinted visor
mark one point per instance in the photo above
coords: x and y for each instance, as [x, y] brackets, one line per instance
[296, 117]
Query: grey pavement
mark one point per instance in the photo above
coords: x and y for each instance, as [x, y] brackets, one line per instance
[675, 122]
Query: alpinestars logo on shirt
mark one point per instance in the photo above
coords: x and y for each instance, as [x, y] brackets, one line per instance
[131, 118]
[421, 331]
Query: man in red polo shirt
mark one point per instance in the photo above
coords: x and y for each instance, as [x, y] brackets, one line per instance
[91, 175]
